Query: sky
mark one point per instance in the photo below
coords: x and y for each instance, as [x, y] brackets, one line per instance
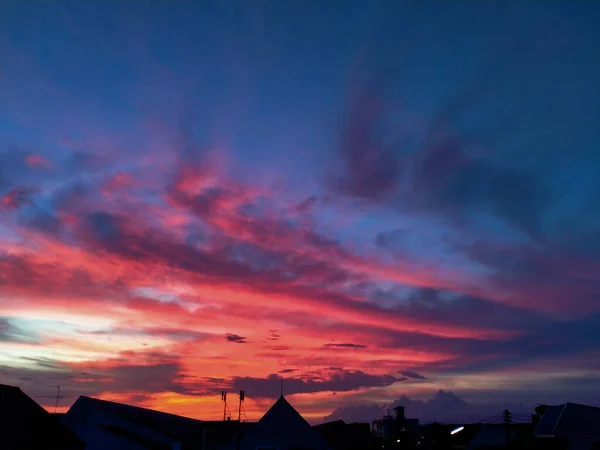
[380, 203]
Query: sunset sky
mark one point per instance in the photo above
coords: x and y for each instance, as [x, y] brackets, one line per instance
[375, 200]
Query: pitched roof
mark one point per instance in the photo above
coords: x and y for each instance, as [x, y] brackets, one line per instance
[139, 414]
[282, 423]
[570, 418]
[171, 425]
[26, 425]
[189, 432]
[282, 411]
[549, 420]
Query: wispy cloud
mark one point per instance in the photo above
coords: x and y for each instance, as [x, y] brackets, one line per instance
[235, 338]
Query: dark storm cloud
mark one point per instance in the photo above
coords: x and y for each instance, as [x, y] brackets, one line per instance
[554, 339]
[452, 179]
[531, 337]
[15, 171]
[19, 272]
[344, 345]
[127, 237]
[72, 195]
[411, 374]
[551, 275]
[120, 235]
[445, 173]
[343, 380]
[434, 305]
[43, 362]
[17, 198]
[80, 160]
[42, 221]
[163, 373]
[369, 165]
[134, 373]
[236, 338]
[274, 335]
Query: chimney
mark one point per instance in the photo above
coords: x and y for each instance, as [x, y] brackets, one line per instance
[399, 414]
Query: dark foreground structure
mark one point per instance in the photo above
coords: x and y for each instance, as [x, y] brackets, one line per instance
[108, 425]
[570, 426]
[93, 424]
[25, 425]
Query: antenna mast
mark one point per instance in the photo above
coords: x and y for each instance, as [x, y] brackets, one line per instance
[56, 397]
[242, 397]
[225, 407]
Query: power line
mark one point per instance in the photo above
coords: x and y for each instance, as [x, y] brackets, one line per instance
[494, 418]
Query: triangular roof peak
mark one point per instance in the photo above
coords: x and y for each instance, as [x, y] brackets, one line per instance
[283, 426]
[282, 410]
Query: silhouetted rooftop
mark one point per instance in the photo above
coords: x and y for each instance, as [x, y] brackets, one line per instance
[26, 425]
[570, 418]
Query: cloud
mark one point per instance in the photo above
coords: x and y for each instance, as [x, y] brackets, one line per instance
[159, 372]
[544, 277]
[437, 225]
[35, 160]
[236, 338]
[344, 345]
[411, 374]
[338, 381]
[274, 335]
[444, 407]
[369, 165]
[436, 168]
[16, 198]
[9, 332]
[170, 333]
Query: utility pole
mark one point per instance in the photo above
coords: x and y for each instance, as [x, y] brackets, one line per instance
[507, 419]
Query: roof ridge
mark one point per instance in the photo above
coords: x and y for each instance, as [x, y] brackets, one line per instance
[284, 401]
[153, 411]
[558, 418]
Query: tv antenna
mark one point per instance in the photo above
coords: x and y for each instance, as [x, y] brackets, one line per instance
[225, 407]
[56, 397]
[241, 407]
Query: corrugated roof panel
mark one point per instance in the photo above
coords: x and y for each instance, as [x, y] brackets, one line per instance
[579, 419]
[548, 421]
